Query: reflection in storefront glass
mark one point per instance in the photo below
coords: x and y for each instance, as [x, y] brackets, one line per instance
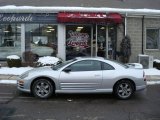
[101, 40]
[41, 39]
[78, 41]
[152, 38]
[10, 40]
[112, 42]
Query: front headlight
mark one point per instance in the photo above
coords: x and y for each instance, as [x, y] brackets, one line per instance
[24, 75]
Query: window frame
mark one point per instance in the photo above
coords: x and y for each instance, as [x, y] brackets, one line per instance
[102, 66]
[75, 53]
[158, 41]
[84, 70]
[39, 33]
[11, 42]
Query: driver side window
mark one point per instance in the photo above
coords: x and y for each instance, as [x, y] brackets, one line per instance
[86, 65]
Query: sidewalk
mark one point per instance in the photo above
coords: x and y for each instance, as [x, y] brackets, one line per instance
[8, 79]
[153, 77]
[12, 79]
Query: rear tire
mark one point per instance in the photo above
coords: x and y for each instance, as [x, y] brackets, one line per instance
[42, 88]
[124, 89]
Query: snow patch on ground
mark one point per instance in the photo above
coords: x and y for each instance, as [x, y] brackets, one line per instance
[152, 71]
[8, 81]
[153, 82]
[14, 70]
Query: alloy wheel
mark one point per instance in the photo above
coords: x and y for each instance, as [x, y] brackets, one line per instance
[42, 88]
[124, 90]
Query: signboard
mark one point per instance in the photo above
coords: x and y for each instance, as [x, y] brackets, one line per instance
[78, 39]
[83, 17]
[28, 18]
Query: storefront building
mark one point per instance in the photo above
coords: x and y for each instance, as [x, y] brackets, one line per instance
[21, 32]
[69, 33]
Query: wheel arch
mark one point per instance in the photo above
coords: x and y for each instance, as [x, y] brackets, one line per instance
[125, 79]
[43, 77]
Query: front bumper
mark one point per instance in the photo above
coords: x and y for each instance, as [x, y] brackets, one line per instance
[24, 90]
[22, 86]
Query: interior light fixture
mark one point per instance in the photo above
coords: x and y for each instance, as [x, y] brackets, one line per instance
[102, 28]
[6, 31]
[18, 26]
[78, 30]
[51, 29]
[48, 31]
[79, 27]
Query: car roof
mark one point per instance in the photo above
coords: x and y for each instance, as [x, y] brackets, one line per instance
[89, 58]
[112, 62]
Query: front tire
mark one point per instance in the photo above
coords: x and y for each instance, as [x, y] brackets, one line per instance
[42, 88]
[124, 89]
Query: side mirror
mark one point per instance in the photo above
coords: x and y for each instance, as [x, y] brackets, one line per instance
[67, 70]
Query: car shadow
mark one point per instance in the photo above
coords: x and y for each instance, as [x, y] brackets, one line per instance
[87, 98]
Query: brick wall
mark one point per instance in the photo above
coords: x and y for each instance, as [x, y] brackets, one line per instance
[134, 30]
[152, 23]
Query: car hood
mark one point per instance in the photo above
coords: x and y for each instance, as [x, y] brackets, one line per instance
[40, 69]
[35, 71]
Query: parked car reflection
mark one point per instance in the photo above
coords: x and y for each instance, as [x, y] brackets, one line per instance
[16, 50]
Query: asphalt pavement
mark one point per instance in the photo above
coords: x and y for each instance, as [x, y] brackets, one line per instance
[15, 105]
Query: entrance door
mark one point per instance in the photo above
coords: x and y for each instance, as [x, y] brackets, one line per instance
[112, 42]
[99, 41]
[104, 42]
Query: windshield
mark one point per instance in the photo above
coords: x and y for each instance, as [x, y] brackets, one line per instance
[58, 66]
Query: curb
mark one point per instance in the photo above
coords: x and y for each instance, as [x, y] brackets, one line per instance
[12, 79]
[152, 77]
[153, 82]
[9, 77]
[14, 82]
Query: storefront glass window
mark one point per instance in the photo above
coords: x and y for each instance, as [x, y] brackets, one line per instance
[78, 41]
[41, 39]
[10, 40]
[152, 38]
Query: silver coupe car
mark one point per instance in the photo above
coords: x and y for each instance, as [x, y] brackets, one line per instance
[83, 75]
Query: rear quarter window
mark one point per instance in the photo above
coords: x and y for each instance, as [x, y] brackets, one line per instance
[106, 66]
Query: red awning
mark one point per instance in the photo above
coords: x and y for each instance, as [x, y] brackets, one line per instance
[81, 17]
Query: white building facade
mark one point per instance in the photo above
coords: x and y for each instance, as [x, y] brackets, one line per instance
[69, 32]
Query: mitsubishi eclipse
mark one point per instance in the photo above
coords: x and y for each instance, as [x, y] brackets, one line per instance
[83, 75]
